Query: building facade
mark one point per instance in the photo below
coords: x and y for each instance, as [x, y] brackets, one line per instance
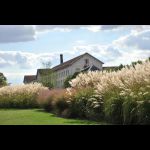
[64, 69]
[29, 79]
[76, 64]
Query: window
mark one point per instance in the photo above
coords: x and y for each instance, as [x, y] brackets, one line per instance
[86, 61]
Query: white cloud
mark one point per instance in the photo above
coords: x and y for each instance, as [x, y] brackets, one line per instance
[67, 28]
[137, 40]
[25, 33]
[16, 33]
[23, 60]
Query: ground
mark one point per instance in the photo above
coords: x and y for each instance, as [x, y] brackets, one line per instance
[37, 117]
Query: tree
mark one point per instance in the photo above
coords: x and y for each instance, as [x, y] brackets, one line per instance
[47, 82]
[120, 66]
[48, 77]
[3, 80]
[69, 78]
[46, 64]
[66, 82]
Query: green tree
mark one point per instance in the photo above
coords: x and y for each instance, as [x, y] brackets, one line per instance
[69, 78]
[3, 80]
[120, 66]
[48, 77]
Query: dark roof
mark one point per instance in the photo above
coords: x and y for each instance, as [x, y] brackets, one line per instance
[91, 68]
[29, 78]
[71, 61]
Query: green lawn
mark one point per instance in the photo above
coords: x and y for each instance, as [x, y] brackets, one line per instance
[37, 117]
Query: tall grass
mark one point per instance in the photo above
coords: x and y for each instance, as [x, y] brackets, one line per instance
[20, 96]
[125, 93]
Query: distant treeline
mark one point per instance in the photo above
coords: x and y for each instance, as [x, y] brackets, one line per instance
[128, 66]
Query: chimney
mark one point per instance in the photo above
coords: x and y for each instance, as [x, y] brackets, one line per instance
[61, 58]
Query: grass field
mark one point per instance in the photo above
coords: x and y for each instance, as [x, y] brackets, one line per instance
[37, 117]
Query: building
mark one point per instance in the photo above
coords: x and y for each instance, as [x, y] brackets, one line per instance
[84, 62]
[29, 79]
[77, 64]
[43, 73]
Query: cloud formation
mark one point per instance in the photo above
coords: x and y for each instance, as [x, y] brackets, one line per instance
[25, 33]
[16, 33]
[139, 40]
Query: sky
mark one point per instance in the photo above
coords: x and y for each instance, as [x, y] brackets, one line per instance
[23, 48]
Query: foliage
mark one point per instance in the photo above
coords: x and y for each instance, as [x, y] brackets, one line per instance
[46, 64]
[125, 93]
[69, 78]
[53, 100]
[20, 96]
[3, 80]
[49, 80]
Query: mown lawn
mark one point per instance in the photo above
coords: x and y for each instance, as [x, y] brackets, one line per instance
[37, 117]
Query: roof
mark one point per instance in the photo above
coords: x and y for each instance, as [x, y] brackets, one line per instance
[29, 78]
[44, 71]
[71, 61]
[91, 68]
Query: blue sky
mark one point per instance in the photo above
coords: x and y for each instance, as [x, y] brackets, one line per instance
[23, 48]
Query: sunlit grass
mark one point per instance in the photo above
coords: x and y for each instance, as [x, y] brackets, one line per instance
[37, 117]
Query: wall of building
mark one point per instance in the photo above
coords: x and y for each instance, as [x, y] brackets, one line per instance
[81, 62]
[76, 67]
[61, 75]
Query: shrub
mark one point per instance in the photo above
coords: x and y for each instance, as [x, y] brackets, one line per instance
[113, 110]
[68, 79]
[144, 112]
[61, 106]
[53, 100]
[85, 104]
[20, 96]
[95, 108]
[125, 93]
[78, 103]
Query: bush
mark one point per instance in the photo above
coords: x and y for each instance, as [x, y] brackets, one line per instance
[130, 112]
[113, 110]
[85, 104]
[61, 107]
[53, 100]
[144, 112]
[69, 78]
[20, 96]
[125, 93]
[47, 105]
[78, 103]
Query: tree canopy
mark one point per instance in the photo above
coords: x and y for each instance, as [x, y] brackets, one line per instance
[3, 80]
